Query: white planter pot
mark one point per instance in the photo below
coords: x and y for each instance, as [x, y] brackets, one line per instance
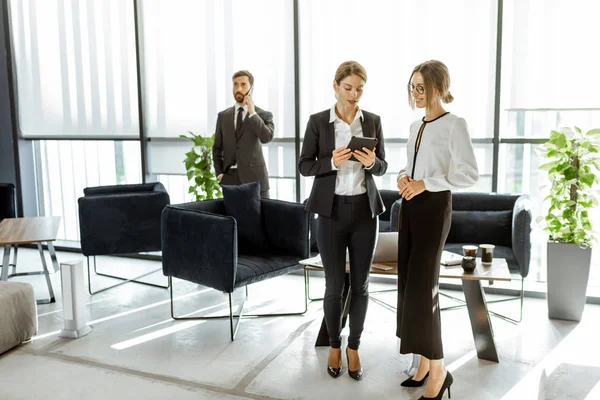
[568, 274]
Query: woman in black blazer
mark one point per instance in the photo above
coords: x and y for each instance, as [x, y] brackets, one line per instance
[345, 197]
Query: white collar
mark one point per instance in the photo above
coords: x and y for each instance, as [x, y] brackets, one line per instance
[237, 107]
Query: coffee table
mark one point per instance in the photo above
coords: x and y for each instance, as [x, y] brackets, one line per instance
[28, 230]
[472, 288]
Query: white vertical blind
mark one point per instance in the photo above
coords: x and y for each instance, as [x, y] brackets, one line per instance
[190, 51]
[389, 38]
[75, 68]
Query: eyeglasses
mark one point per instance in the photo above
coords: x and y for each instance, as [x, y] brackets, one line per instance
[420, 89]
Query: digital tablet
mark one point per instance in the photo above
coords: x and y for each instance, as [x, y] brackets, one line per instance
[358, 142]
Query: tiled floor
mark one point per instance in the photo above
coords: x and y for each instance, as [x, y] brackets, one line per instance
[136, 351]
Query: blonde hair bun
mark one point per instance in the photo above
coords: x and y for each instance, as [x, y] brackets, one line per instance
[447, 98]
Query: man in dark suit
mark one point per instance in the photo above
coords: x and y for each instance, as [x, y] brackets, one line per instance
[237, 152]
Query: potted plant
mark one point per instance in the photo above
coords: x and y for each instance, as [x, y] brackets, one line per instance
[573, 165]
[198, 164]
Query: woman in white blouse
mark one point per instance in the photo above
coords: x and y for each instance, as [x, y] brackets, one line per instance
[345, 197]
[440, 159]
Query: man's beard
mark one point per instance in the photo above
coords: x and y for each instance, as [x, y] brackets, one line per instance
[241, 97]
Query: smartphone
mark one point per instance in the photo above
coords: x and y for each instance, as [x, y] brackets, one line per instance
[250, 91]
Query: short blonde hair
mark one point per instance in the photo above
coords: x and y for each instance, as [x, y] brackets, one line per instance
[348, 68]
[435, 76]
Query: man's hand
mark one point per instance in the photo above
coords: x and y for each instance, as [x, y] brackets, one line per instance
[341, 155]
[220, 177]
[366, 156]
[413, 188]
[248, 101]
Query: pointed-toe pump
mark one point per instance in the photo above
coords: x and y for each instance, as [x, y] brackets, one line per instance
[356, 375]
[446, 385]
[410, 382]
[335, 372]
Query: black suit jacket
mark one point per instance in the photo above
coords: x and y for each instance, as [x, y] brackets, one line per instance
[245, 150]
[315, 160]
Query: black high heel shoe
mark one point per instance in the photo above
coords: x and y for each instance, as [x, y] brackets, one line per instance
[356, 375]
[446, 385]
[334, 372]
[410, 382]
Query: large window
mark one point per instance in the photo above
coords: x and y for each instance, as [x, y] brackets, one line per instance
[75, 68]
[389, 38]
[547, 80]
[190, 51]
[77, 84]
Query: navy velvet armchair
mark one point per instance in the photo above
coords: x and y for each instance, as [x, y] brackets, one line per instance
[121, 219]
[389, 197]
[200, 244]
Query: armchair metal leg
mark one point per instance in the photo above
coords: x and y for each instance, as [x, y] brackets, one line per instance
[125, 280]
[240, 313]
[521, 297]
[462, 302]
[382, 303]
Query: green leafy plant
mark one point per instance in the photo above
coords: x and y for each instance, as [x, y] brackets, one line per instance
[573, 165]
[198, 164]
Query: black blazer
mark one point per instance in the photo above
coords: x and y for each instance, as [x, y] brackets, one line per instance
[315, 160]
[245, 150]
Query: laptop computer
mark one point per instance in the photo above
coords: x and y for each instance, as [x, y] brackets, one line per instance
[386, 249]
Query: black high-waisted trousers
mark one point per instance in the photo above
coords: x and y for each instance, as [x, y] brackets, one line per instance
[351, 226]
[424, 223]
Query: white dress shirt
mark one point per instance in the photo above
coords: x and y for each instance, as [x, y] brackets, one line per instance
[445, 160]
[244, 113]
[350, 180]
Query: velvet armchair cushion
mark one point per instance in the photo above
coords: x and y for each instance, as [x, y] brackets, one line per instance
[494, 227]
[242, 202]
[287, 227]
[199, 245]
